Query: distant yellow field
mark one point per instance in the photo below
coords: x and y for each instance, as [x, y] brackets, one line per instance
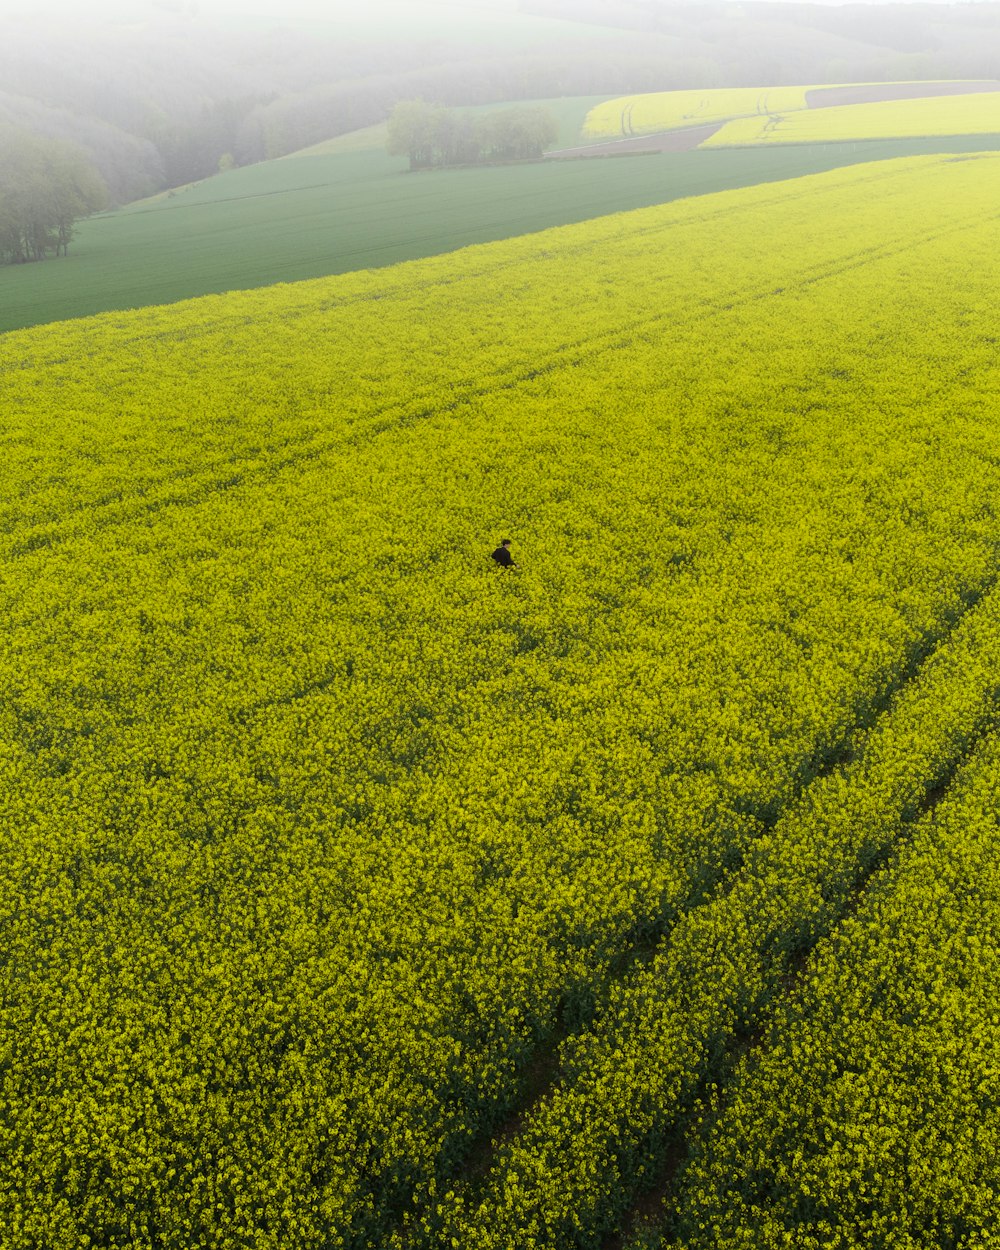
[892, 119]
[670, 110]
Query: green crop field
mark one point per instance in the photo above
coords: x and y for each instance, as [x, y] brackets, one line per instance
[359, 895]
[325, 214]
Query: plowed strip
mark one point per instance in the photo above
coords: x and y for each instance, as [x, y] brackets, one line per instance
[667, 141]
[877, 93]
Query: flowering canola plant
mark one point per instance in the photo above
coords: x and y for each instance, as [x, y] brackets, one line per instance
[671, 110]
[873, 1119]
[975, 114]
[584, 1148]
[320, 829]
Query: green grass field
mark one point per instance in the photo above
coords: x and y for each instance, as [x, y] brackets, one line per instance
[319, 215]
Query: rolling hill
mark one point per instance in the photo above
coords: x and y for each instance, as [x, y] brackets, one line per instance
[158, 91]
[346, 205]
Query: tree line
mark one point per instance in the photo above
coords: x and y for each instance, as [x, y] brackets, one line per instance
[148, 120]
[46, 186]
[431, 135]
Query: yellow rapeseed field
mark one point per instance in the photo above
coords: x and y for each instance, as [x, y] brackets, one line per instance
[874, 1117]
[976, 114]
[670, 110]
[331, 849]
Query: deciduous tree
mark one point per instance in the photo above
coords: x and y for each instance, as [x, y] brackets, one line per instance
[414, 131]
[46, 186]
[431, 135]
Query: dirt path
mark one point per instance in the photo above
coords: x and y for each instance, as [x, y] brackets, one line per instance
[690, 137]
[666, 141]
[877, 93]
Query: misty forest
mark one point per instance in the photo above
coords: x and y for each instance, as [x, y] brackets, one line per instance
[160, 102]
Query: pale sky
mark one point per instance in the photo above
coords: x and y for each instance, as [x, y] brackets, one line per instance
[279, 9]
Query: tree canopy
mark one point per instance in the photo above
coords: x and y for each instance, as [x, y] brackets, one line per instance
[46, 186]
[431, 135]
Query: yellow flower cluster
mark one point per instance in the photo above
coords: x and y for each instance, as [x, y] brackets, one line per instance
[318, 825]
[976, 114]
[666, 1031]
[670, 110]
[874, 1120]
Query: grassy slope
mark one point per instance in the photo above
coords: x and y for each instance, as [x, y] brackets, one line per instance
[293, 219]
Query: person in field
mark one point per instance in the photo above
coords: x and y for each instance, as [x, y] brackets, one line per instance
[503, 557]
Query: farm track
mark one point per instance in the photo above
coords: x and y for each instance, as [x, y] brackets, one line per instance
[880, 93]
[542, 1072]
[662, 1159]
[684, 139]
[758, 1036]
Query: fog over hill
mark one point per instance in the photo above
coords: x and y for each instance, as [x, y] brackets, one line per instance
[157, 92]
